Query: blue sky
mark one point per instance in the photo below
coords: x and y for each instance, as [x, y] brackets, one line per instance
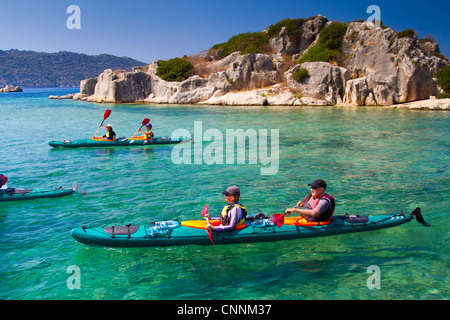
[153, 29]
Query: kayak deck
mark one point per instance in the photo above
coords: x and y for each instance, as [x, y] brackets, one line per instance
[174, 233]
[119, 142]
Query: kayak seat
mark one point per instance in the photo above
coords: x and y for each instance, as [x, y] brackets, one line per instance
[300, 221]
[201, 224]
[102, 139]
[142, 138]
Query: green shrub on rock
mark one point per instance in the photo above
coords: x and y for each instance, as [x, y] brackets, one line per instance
[301, 75]
[444, 78]
[176, 69]
[329, 44]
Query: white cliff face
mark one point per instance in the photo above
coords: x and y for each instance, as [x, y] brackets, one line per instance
[388, 69]
[376, 68]
[326, 81]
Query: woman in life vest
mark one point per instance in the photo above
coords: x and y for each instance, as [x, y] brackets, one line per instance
[317, 206]
[232, 214]
[110, 134]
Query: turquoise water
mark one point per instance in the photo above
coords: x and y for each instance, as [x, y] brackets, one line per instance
[376, 161]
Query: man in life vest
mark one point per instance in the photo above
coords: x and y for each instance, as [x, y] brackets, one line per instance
[148, 133]
[317, 206]
[233, 214]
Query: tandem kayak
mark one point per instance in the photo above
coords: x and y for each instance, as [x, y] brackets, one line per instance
[13, 194]
[174, 233]
[120, 142]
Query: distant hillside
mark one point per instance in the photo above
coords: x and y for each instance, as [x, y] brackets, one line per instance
[61, 69]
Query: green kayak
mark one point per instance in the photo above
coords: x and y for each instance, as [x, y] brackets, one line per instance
[174, 233]
[13, 194]
[120, 142]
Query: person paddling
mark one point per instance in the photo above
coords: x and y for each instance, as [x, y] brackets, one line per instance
[318, 206]
[3, 180]
[148, 133]
[110, 134]
[233, 214]
[4, 187]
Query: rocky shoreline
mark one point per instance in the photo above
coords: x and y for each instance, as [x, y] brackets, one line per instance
[376, 67]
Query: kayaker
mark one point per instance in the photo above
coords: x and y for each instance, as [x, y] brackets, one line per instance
[110, 134]
[148, 133]
[3, 181]
[317, 206]
[4, 187]
[232, 214]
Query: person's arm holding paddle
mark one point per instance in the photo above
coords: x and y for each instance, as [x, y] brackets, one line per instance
[105, 116]
[316, 203]
[145, 122]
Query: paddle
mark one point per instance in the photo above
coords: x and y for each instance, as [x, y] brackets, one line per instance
[105, 116]
[144, 123]
[78, 188]
[205, 210]
[209, 232]
[278, 218]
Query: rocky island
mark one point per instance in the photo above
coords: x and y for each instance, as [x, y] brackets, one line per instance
[294, 62]
[8, 88]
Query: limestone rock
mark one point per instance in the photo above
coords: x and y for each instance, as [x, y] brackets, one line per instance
[325, 81]
[87, 86]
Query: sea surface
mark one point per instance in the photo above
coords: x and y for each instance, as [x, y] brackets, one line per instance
[375, 161]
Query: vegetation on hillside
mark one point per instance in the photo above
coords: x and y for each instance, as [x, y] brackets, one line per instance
[408, 33]
[293, 28]
[250, 42]
[61, 69]
[258, 42]
[329, 44]
[176, 69]
[443, 77]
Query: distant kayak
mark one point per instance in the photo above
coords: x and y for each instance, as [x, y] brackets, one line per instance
[174, 233]
[13, 194]
[120, 142]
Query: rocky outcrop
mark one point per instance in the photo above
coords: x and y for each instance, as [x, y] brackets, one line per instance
[87, 87]
[11, 89]
[326, 81]
[386, 69]
[283, 45]
[376, 67]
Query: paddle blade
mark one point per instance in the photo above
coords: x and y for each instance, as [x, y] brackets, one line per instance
[205, 210]
[209, 232]
[277, 219]
[145, 121]
[78, 188]
[107, 114]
